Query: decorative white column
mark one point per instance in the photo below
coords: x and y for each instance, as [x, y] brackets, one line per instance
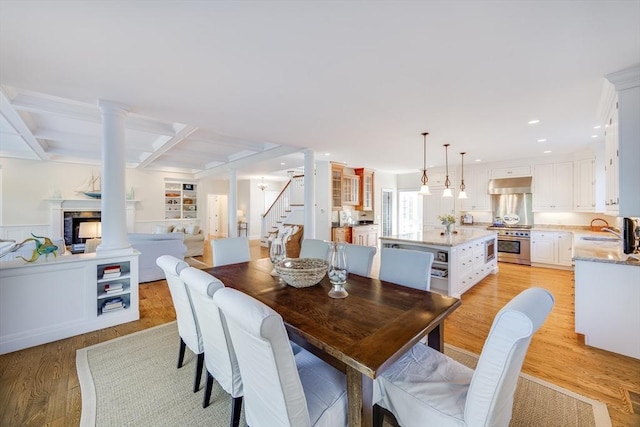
[309, 195]
[233, 203]
[114, 218]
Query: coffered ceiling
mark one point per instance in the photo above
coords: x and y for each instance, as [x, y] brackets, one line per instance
[249, 85]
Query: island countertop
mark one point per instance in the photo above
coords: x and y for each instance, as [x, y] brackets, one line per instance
[434, 237]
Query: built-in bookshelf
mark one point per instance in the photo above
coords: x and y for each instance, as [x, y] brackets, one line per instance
[114, 287]
[180, 200]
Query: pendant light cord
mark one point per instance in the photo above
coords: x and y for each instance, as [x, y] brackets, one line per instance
[446, 157]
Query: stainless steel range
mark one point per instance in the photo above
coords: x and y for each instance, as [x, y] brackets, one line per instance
[514, 245]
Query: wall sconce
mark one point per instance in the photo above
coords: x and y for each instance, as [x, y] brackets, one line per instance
[463, 194]
[447, 191]
[424, 188]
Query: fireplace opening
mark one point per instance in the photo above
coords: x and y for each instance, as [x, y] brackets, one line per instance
[72, 220]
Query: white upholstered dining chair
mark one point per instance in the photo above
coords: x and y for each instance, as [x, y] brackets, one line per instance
[406, 267]
[219, 355]
[360, 259]
[425, 387]
[280, 388]
[315, 248]
[230, 250]
[188, 327]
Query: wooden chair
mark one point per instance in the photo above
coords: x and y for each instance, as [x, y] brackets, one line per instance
[188, 327]
[280, 389]
[406, 267]
[425, 387]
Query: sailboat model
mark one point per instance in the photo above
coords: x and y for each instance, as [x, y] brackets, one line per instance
[92, 187]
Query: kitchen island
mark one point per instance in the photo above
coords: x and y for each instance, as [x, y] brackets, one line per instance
[607, 307]
[460, 260]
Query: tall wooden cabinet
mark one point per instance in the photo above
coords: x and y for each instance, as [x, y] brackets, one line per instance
[366, 189]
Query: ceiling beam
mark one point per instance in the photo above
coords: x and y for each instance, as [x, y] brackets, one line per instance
[14, 119]
[166, 146]
[247, 161]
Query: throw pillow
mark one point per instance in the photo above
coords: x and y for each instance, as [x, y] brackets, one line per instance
[192, 229]
[161, 229]
[178, 229]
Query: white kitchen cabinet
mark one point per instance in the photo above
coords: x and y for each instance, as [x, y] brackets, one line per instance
[584, 185]
[552, 248]
[612, 198]
[553, 187]
[622, 98]
[476, 181]
[365, 235]
[511, 172]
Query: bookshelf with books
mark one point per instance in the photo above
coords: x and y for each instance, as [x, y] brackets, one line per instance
[181, 200]
[114, 287]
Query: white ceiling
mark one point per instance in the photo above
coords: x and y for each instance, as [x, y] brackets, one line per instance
[219, 84]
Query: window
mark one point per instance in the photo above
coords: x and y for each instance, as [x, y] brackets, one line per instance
[409, 212]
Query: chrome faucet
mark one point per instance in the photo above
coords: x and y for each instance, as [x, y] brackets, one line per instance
[612, 232]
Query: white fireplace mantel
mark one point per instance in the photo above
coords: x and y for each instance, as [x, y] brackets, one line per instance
[60, 206]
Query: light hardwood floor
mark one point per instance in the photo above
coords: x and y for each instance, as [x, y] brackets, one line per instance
[39, 385]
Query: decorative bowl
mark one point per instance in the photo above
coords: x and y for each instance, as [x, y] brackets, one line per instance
[302, 272]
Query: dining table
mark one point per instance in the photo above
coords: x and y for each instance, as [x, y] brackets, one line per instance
[362, 334]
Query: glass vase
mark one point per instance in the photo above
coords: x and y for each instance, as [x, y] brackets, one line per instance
[338, 270]
[277, 253]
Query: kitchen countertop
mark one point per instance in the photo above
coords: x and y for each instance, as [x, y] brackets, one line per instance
[433, 237]
[596, 252]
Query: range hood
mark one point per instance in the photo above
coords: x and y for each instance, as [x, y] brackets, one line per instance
[510, 185]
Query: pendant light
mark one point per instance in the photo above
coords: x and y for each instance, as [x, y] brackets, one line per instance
[424, 188]
[463, 194]
[447, 191]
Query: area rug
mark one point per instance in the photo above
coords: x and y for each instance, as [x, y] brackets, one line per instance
[133, 381]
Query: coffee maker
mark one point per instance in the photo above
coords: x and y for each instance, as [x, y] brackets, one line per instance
[630, 235]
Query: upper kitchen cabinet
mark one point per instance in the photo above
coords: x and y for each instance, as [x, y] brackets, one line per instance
[337, 172]
[511, 172]
[476, 181]
[620, 109]
[366, 189]
[584, 185]
[350, 190]
[553, 187]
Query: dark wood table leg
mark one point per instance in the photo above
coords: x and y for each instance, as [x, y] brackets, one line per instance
[435, 339]
[360, 398]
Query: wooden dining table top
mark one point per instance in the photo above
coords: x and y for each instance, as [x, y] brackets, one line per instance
[368, 330]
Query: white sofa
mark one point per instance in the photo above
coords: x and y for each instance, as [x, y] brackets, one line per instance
[193, 237]
[151, 246]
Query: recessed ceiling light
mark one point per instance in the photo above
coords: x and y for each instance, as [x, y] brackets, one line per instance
[478, 160]
[282, 163]
[546, 151]
[594, 136]
[327, 154]
[542, 140]
[534, 121]
[597, 127]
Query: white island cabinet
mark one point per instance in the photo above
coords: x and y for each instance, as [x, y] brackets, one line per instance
[57, 298]
[608, 299]
[460, 260]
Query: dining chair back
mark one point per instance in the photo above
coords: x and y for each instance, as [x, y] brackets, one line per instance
[219, 355]
[281, 389]
[188, 327]
[315, 248]
[425, 387]
[230, 250]
[406, 267]
[360, 259]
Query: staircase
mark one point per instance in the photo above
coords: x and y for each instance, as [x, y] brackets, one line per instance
[289, 201]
